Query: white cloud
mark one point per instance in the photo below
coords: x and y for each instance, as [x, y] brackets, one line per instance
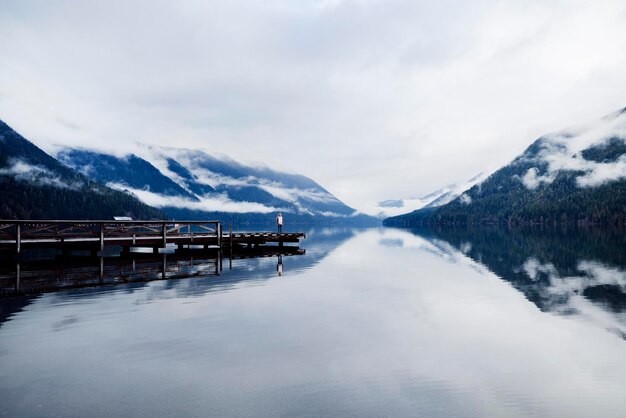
[566, 292]
[293, 195]
[465, 199]
[36, 175]
[562, 151]
[217, 203]
[603, 173]
[531, 180]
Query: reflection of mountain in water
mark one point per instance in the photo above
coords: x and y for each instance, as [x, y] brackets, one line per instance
[247, 266]
[10, 307]
[559, 270]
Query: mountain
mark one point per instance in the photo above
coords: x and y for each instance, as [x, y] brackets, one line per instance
[572, 176]
[439, 197]
[129, 171]
[193, 184]
[34, 185]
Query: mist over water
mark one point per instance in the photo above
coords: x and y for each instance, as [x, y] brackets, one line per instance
[374, 322]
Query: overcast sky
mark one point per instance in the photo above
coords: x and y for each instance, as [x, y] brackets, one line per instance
[374, 100]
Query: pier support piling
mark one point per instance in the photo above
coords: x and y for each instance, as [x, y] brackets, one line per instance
[18, 268]
[18, 239]
[164, 269]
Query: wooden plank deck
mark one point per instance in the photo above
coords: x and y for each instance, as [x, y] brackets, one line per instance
[17, 235]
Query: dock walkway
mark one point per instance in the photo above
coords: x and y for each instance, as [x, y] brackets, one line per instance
[94, 236]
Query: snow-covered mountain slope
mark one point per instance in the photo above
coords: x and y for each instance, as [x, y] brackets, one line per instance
[439, 197]
[574, 175]
[129, 172]
[194, 180]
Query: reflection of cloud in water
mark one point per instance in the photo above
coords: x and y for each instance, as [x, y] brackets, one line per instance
[437, 247]
[251, 271]
[579, 272]
[594, 291]
[534, 269]
[391, 242]
[65, 323]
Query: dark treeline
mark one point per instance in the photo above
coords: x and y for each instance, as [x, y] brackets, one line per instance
[21, 200]
[562, 204]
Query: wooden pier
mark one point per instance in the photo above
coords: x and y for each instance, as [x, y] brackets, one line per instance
[94, 236]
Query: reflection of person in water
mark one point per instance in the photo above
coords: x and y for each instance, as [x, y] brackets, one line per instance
[279, 265]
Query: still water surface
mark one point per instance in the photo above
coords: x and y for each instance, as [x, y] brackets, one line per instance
[369, 323]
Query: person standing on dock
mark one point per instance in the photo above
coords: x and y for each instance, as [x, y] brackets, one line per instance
[279, 223]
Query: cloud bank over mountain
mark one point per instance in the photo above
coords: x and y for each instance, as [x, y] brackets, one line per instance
[570, 150]
[192, 180]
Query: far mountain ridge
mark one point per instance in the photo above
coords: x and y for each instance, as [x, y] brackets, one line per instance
[193, 183]
[433, 199]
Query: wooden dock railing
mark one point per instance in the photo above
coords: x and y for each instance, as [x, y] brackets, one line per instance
[93, 236]
[96, 234]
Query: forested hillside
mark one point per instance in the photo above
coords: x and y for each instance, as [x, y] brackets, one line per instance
[33, 185]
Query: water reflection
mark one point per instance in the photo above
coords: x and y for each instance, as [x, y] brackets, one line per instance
[279, 265]
[364, 324]
[563, 271]
[201, 272]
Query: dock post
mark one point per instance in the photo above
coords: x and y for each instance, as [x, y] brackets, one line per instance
[101, 269]
[219, 234]
[18, 269]
[164, 235]
[163, 273]
[18, 239]
[230, 237]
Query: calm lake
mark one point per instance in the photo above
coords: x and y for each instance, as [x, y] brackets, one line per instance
[367, 323]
